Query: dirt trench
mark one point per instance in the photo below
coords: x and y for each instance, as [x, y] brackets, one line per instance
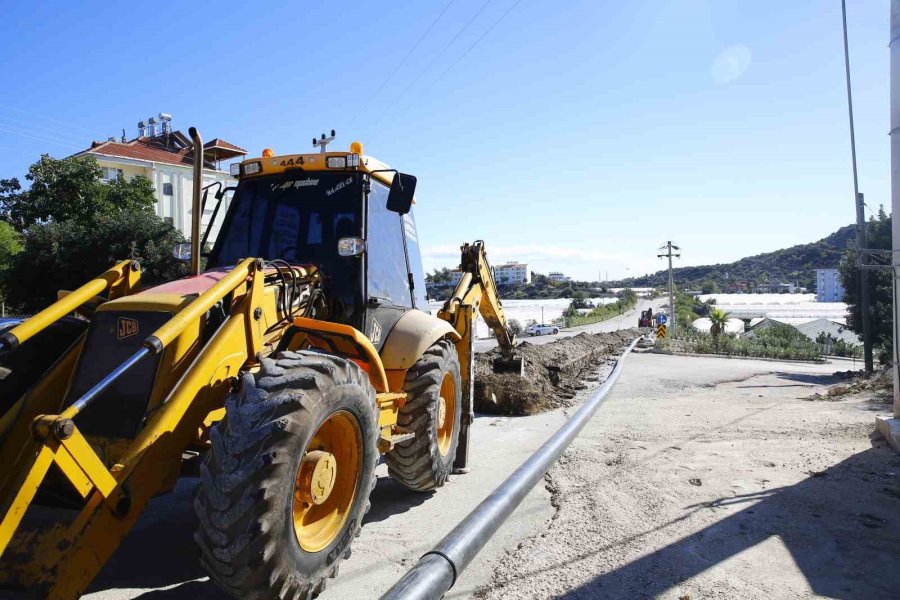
[552, 376]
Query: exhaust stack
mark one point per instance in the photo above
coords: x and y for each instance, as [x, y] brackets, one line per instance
[196, 210]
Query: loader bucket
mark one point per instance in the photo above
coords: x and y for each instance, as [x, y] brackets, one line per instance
[514, 365]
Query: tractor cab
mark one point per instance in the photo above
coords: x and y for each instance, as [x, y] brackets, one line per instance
[347, 215]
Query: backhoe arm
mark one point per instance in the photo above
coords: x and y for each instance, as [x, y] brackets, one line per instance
[478, 290]
[476, 293]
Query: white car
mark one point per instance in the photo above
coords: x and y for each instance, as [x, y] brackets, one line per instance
[541, 329]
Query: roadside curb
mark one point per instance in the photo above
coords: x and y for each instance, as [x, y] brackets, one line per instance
[732, 356]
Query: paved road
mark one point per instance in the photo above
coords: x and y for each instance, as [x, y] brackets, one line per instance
[623, 321]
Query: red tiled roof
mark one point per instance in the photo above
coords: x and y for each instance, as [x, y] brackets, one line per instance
[155, 149]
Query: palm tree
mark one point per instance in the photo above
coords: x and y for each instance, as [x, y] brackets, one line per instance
[719, 319]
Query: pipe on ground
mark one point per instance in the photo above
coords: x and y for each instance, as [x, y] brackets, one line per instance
[438, 569]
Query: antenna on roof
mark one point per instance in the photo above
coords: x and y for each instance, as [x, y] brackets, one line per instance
[324, 141]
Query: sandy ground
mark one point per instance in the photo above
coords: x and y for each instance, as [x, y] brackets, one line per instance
[715, 478]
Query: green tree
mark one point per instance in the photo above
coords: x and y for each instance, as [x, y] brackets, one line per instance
[65, 255]
[627, 297]
[710, 286]
[719, 319]
[515, 326]
[69, 189]
[439, 276]
[579, 299]
[878, 236]
[10, 244]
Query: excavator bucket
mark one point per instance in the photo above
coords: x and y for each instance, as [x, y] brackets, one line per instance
[514, 365]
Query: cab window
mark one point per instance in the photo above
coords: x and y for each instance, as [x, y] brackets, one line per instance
[388, 278]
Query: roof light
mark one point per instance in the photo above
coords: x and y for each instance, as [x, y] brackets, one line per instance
[356, 148]
[235, 169]
[353, 160]
[337, 162]
[252, 168]
[268, 153]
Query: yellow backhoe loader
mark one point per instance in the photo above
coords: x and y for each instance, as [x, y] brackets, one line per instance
[281, 373]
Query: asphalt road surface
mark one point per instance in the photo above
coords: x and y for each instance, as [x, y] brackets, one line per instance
[624, 321]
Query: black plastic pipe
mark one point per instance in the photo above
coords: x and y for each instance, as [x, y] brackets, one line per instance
[438, 569]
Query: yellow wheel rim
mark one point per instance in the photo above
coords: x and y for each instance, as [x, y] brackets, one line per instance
[446, 416]
[326, 481]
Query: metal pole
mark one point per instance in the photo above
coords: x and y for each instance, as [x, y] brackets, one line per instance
[860, 211]
[439, 568]
[895, 192]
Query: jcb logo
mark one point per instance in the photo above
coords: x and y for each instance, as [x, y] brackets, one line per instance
[127, 328]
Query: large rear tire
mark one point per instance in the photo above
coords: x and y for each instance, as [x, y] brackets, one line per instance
[286, 484]
[432, 411]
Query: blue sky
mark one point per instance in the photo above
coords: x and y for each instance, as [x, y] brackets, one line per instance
[576, 136]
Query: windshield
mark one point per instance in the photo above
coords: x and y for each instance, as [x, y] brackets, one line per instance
[298, 217]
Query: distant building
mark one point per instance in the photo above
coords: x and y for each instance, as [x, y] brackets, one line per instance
[832, 329]
[557, 276]
[828, 286]
[512, 273]
[166, 158]
[757, 325]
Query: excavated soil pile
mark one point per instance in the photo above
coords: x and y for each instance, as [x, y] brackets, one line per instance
[878, 385]
[553, 374]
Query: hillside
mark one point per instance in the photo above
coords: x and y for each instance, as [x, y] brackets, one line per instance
[794, 264]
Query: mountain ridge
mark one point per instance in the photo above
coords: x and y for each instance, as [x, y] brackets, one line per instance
[795, 264]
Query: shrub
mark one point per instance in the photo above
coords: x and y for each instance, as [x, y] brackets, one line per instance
[782, 342]
[65, 255]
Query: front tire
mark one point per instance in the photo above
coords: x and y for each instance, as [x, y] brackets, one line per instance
[433, 412]
[287, 481]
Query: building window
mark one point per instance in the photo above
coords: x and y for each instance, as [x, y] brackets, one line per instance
[109, 174]
[167, 189]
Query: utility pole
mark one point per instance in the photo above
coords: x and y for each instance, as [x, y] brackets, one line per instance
[669, 247]
[895, 198]
[864, 300]
[890, 427]
[860, 215]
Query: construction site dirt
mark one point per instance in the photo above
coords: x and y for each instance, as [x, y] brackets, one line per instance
[553, 373]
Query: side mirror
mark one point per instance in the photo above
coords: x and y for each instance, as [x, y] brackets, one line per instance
[401, 196]
[182, 252]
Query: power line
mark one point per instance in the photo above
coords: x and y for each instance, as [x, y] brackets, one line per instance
[45, 118]
[444, 50]
[24, 125]
[401, 63]
[46, 140]
[385, 117]
[470, 48]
